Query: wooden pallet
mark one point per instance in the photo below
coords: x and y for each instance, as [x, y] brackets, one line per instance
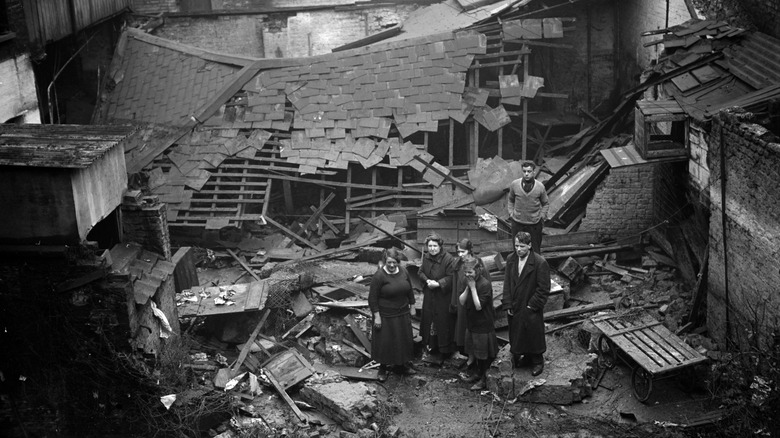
[654, 348]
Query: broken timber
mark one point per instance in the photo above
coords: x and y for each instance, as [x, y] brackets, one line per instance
[249, 342]
[577, 310]
[245, 297]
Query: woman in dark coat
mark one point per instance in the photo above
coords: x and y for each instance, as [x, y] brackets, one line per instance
[438, 324]
[463, 248]
[391, 301]
[526, 287]
[477, 299]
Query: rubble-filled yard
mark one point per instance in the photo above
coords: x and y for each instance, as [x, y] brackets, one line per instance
[301, 365]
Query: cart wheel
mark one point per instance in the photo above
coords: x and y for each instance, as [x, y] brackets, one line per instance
[607, 352]
[641, 383]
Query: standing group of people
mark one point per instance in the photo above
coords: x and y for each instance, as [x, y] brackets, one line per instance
[457, 310]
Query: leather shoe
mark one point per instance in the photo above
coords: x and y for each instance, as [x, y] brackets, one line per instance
[382, 375]
[537, 369]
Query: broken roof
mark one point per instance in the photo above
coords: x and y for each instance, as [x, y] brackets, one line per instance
[748, 71]
[160, 81]
[333, 105]
[58, 146]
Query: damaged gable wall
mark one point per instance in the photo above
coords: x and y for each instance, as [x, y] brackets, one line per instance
[745, 258]
[286, 33]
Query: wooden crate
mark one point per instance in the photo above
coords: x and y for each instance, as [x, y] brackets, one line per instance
[660, 129]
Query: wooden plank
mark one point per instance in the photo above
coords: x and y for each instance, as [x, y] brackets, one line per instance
[314, 217]
[245, 296]
[185, 274]
[331, 252]
[587, 252]
[290, 234]
[249, 342]
[345, 304]
[301, 327]
[256, 295]
[357, 348]
[358, 332]
[328, 223]
[280, 389]
[577, 310]
[243, 264]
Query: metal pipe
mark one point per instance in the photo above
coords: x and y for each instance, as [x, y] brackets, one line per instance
[56, 75]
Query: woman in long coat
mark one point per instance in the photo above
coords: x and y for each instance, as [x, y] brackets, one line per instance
[438, 324]
[526, 287]
[391, 300]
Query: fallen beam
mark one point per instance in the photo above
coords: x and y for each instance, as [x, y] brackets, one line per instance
[577, 310]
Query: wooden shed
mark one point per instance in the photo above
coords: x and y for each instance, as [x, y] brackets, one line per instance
[58, 181]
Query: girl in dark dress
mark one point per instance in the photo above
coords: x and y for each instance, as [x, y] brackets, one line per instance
[438, 324]
[464, 248]
[481, 342]
[391, 301]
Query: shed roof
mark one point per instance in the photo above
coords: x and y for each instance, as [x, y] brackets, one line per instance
[58, 146]
[750, 61]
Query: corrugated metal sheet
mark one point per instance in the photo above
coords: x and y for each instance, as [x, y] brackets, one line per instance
[58, 146]
[52, 20]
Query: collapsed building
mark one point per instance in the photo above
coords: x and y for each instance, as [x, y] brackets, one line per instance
[408, 128]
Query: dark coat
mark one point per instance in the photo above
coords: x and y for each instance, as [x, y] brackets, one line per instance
[525, 293]
[436, 302]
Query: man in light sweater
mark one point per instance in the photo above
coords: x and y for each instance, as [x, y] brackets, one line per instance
[528, 205]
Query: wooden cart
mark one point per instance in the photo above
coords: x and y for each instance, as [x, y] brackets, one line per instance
[656, 352]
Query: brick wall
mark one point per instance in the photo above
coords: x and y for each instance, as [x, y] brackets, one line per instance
[282, 35]
[623, 202]
[750, 253]
[231, 34]
[147, 224]
[635, 17]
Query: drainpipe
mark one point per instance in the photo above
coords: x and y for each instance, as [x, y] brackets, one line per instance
[723, 224]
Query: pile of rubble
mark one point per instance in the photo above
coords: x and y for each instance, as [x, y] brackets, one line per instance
[303, 330]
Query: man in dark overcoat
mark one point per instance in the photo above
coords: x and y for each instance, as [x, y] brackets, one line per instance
[526, 287]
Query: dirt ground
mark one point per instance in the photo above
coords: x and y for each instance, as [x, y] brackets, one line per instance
[436, 403]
